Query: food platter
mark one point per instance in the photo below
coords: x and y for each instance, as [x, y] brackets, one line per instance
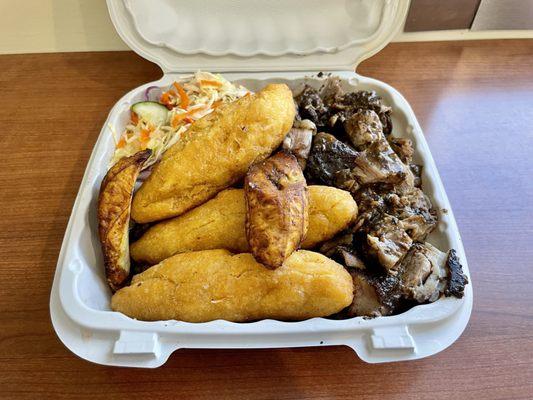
[80, 298]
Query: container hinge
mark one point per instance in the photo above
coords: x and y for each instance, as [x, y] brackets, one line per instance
[135, 342]
[392, 338]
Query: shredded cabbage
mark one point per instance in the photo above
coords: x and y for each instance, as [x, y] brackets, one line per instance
[205, 91]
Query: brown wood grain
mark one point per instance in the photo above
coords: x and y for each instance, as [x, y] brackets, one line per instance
[474, 101]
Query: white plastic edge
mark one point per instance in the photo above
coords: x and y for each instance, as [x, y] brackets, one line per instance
[111, 338]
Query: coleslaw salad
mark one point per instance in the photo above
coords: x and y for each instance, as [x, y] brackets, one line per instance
[187, 100]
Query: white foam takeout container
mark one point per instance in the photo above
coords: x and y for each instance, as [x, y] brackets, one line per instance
[253, 42]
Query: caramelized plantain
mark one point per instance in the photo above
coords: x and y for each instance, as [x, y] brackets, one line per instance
[219, 224]
[114, 206]
[277, 208]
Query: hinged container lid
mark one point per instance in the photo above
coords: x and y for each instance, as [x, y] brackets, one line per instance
[257, 35]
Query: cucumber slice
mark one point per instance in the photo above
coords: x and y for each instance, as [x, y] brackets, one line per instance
[151, 111]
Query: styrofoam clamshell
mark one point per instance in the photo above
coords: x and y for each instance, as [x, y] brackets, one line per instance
[80, 298]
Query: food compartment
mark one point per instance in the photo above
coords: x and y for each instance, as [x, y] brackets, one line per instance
[418, 332]
[93, 291]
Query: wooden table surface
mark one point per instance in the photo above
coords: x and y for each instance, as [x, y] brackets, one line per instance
[474, 101]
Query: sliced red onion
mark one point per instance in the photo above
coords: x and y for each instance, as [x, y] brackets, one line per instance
[153, 93]
[144, 174]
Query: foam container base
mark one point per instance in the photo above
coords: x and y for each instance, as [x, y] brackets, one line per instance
[80, 298]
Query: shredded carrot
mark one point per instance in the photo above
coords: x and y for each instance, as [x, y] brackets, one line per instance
[166, 100]
[134, 118]
[210, 83]
[184, 99]
[189, 120]
[121, 143]
[217, 103]
[179, 117]
[145, 135]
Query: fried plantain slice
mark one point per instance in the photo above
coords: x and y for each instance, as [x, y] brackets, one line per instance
[277, 208]
[219, 224]
[114, 206]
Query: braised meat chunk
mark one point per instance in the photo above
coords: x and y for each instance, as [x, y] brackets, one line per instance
[370, 201]
[403, 148]
[384, 249]
[299, 139]
[374, 296]
[386, 242]
[457, 280]
[363, 127]
[416, 213]
[331, 91]
[412, 209]
[341, 249]
[331, 162]
[424, 274]
[331, 106]
[311, 106]
[379, 164]
[344, 106]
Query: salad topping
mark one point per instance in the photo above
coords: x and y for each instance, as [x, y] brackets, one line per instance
[158, 122]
